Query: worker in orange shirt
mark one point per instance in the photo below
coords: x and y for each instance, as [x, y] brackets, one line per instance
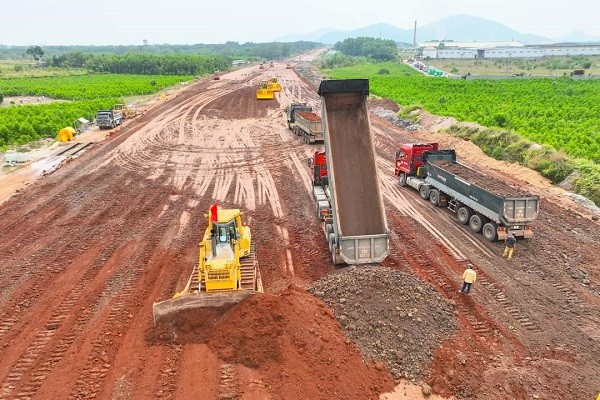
[469, 278]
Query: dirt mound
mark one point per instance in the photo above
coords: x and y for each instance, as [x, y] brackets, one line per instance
[390, 315]
[293, 339]
[241, 104]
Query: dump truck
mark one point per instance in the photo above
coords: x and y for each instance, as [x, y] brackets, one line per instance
[304, 123]
[108, 119]
[485, 205]
[227, 270]
[345, 181]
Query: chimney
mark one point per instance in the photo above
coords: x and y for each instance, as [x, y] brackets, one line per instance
[415, 36]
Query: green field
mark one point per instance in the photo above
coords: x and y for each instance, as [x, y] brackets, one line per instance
[20, 124]
[560, 113]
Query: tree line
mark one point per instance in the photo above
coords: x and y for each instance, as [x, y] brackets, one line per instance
[271, 50]
[376, 49]
[144, 64]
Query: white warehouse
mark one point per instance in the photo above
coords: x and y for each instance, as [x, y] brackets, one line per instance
[515, 50]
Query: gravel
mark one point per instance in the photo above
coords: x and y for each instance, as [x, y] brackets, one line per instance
[390, 315]
[394, 119]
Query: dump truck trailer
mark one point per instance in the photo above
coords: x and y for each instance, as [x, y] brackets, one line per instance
[486, 205]
[304, 122]
[355, 225]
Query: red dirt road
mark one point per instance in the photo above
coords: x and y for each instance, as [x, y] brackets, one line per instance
[86, 251]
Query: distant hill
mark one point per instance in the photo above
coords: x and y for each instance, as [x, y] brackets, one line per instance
[577, 37]
[462, 27]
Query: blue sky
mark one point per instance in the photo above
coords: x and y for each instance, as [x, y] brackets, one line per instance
[65, 22]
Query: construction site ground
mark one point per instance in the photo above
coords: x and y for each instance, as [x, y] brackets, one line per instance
[88, 249]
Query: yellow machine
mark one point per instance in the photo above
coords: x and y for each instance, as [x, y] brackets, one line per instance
[127, 112]
[227, 271]
[274, 85]
[66, 134]
[263, 93]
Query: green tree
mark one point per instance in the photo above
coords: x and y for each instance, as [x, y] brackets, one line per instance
[36, 52]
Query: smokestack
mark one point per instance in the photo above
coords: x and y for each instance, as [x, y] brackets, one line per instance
[415, 36]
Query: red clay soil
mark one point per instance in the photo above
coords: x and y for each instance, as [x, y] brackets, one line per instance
[293, 339]
[310, 116]
[86, 251]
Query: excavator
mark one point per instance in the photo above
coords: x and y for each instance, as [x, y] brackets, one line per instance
[264, 93]
[227, 271]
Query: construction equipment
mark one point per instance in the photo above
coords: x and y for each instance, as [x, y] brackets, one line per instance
[109, 118]
[274, 85]
[227, 271]
[305, 123]
[263, 92]
[66, 134]
[439, 178]
[127, 112]
[216, 76]
[345, 180]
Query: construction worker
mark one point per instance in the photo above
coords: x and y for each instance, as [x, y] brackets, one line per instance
[469, 278]
[509, 246]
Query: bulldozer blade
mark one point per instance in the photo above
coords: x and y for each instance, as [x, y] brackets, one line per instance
[219, 302]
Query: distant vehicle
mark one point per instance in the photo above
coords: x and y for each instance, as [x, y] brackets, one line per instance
[305, 123]
[578, 72]
[108, 119]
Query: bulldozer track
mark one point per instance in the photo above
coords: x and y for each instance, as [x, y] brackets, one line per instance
[52, 343]
[227, 388]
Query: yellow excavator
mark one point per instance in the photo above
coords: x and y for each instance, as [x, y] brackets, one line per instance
[263, 92]
[274, 85]
[227, 271]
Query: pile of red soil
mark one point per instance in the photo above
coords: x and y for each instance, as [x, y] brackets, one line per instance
[295, 342]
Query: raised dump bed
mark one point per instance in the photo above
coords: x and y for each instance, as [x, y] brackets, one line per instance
[360, 233]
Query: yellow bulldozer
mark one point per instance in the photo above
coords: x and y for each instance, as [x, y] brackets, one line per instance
[274, 85]
[227, 271]
[127, 111]
[263, 92]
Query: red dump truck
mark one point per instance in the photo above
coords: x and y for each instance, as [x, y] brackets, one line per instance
[486, 205]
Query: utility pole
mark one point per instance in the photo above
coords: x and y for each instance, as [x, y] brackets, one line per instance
[508, 63]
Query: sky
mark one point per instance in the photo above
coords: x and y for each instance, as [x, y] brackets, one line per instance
[122, 22]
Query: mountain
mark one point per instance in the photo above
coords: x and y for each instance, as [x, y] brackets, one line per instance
[467, 28]
[462, 27]
[577, 37]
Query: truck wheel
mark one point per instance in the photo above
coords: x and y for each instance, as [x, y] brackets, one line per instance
[463, 214]
[434, 197]
[402, 179]
[328, 229]
[424, 192]
[490, 231]
[476, 222]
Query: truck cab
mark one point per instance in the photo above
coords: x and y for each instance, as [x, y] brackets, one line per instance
[413, 156]
[318, 168]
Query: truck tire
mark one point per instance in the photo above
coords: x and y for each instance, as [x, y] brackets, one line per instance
[424, 192]
[328, 229]
[402, 179]
[490, 231]
[463, 214]
[476, 222]
[434, 197]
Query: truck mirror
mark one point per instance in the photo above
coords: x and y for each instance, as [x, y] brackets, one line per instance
[310, 163]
